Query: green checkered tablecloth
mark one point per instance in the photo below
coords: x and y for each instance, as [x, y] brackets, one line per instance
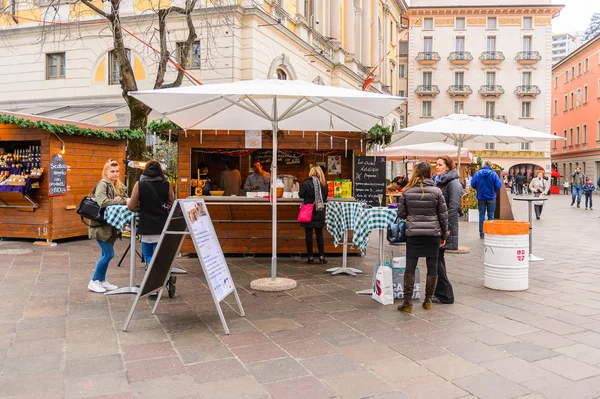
[371, 219]
[341, 217]
[118, 216]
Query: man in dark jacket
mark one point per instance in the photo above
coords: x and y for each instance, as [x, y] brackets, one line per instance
[520, 179]
[577, 181]
[486, 182]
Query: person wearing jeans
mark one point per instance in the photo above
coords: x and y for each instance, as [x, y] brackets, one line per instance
[108, 252]
[486, 182]
[588, 189]
[577, 182]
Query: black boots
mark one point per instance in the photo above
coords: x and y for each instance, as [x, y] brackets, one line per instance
[409, 286]
[322, 260]
[429, 291]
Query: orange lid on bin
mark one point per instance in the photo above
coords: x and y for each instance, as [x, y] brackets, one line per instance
[505, 227]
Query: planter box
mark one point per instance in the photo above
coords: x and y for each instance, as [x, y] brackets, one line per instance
[473, 215]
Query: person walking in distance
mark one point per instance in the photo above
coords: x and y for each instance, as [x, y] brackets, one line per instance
[520, 179]
[486, 182]
[566, 187]
[577, 180]
[588, 189]
[539, 187]
[448, 181]
[423, 207]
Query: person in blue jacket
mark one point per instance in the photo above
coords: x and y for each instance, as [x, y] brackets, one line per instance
[486, 182]
[588, 188]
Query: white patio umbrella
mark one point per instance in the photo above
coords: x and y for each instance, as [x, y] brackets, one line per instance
[424, 151]
[463, 128]
[270, 105]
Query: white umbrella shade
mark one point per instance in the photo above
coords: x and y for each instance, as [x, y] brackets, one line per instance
[270, 105]
[424, 151]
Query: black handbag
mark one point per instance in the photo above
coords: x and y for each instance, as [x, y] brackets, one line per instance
[89, 209]
[396, 232]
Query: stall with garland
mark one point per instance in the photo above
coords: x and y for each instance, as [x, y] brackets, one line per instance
[242, 225]
[47, 166]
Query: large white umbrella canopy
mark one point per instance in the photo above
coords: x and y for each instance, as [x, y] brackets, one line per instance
[424, 151]
[465, 128]
[270, 105]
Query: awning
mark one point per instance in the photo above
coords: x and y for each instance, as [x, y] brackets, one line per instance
[555, 173]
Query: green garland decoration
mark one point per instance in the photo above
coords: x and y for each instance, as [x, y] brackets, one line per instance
[162, 126]
[72, 130]
[378, 135]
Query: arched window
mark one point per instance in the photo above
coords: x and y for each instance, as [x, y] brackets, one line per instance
[280, 74]
[394, 128]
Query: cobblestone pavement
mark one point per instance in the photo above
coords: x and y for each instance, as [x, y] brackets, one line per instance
[320, 340]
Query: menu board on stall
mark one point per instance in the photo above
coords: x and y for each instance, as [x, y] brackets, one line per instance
[265, 157]
[57, 176]
[369, 180]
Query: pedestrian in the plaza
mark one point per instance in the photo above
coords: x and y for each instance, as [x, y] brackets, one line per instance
[566, 187]
[154, 196]
[520, 179]
[539, 187]
[577, 181]
[314, 191]
[108, 191]
[588, 188]
[448, 181]
[487, 183]
[423, 207]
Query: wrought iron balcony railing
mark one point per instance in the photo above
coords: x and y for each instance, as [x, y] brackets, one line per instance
[430, 90]
[494, 90]
[460, 56]
[460, 90]
[428, 56]
[528, 56]
[492, 56]
[497, 118]
[527, 90]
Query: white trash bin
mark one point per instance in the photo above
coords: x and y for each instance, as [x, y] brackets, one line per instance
[506, 255]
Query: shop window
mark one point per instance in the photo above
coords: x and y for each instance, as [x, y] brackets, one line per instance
[114, 69]
[56, 66]
[193, 59]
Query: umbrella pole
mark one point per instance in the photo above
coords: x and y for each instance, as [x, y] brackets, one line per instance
[274, 204]
[459, 154]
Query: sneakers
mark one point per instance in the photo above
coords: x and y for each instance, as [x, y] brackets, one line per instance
[108, 286]
[586, 208]
[96, 286]
[572, 203]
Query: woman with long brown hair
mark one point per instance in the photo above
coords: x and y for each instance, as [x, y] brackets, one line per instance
[423, 207]
[108, 191]
[314, 191]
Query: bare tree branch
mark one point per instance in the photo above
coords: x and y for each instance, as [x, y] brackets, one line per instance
[96, 9]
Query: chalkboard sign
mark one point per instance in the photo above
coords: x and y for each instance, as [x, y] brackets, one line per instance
[265, 157]
[166, 252]
[369, 180]
[57, 176]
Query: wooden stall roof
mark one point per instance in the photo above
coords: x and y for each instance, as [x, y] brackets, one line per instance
[55, 121]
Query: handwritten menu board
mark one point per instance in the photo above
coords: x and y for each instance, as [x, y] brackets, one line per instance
[369, 180]
[283, 158]
[208, 248]
[57, 176]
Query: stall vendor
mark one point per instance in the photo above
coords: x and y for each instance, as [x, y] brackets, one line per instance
[259, 180]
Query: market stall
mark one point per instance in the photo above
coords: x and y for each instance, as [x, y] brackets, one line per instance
[48, 166]
[243, 223]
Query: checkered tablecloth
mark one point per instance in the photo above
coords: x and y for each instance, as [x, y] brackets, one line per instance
[118, 216]
[341, 217]
[371, 219]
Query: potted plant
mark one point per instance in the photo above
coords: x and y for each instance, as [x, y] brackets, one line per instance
[470, 205]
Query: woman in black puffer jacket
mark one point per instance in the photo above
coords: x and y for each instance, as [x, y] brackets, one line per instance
[447, 180]
[424, 208]
[314, 191]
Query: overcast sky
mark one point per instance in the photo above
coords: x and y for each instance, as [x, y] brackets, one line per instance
[575, 16]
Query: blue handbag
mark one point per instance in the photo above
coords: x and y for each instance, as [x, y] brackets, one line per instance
[396, 231]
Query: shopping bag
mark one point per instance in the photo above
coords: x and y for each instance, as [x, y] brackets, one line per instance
[398, 270]
[305, 214]
[383, 291]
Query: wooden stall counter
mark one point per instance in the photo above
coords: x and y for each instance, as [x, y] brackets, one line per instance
[244, 227]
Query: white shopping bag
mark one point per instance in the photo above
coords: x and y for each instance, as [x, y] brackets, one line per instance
[383, 291]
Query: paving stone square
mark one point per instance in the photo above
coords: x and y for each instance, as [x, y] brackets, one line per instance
[58, 340]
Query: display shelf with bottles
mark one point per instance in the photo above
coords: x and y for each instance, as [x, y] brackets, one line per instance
[20, 165]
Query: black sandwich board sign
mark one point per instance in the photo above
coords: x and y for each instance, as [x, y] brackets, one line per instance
[369, 180]
[189, 217]
[57, 176]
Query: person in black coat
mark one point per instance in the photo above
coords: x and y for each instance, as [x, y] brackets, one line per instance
[314, 190]
[448, 181]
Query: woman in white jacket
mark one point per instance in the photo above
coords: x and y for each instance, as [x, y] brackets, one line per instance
[539, 187]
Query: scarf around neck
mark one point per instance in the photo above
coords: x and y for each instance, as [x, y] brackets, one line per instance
[318, 198]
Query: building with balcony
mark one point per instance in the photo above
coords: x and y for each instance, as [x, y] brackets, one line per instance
[486, 57]
[564, 44]
[70, 71]
[576, 111]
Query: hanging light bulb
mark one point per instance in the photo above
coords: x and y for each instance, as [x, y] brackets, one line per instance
[331, 141]
[200, 136]
[303, 134]
[317, 147]
[361, 145]
[228, 132]
[346, 148]
[215, 132]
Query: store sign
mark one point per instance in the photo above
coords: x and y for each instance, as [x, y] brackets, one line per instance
[369, 180]
[57, 176]
[265, 157]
